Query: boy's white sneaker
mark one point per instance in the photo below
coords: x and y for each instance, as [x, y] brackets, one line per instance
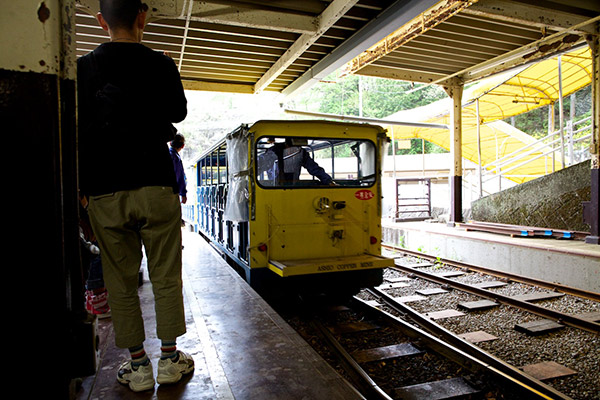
[138, 378]
[171, 370]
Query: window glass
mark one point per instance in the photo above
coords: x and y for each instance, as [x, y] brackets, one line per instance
[202, 172]
[310, 162]
[222, 174]
[221, 170]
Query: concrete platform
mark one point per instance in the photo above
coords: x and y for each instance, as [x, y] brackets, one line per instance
[242, 349]
[566, 261]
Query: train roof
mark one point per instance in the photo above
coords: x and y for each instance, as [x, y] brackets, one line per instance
[261, 123]
[265, 122]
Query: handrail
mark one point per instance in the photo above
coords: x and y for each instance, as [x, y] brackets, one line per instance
[494, 168]
[514, 153]
[512, 160]
[521, 149]
[550, 135]
[523, 163]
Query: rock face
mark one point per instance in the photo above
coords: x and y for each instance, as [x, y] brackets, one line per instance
[552, 201]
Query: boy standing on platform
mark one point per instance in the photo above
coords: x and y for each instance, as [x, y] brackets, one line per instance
[128, 98]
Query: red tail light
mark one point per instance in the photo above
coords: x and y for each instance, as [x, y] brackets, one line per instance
[373, 240]
[262, 247]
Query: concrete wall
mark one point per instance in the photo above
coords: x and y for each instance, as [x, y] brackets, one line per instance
[552, 201]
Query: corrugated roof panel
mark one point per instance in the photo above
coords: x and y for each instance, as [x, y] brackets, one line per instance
[477, 39]
[234, 45]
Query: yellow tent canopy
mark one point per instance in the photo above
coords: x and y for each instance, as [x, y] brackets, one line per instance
[501, 96]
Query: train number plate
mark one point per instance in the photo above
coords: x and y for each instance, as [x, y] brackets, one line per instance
[364, 194]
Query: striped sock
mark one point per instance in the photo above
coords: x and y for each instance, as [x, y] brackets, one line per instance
[168, 349]
[138, 356]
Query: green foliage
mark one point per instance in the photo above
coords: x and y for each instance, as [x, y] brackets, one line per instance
[379, 98]
[401, 241]
[211, 115]
[535, 122]
[416, 147]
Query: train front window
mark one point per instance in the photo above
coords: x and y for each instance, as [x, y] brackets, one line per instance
[310, 162]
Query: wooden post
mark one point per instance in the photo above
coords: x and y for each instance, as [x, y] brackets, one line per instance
[480, 167]
[561, 115]
[455, 91]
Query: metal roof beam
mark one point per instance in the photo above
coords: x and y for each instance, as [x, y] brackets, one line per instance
[387, 22]
[253, 17]
[333, 12]
[381, 121]
[549, 45]
[305, 6]
[552, 44]
[417, 25]
[237, 13]
[189, 84]
[400, 74]
[527, 14]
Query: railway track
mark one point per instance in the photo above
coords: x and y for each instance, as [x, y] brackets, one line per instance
[491, 272]
[441, 329]
[550, 331]
[446, 273]
[389, 357]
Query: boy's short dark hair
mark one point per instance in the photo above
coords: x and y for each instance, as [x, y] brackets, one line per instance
[178, 141]
[121, 13]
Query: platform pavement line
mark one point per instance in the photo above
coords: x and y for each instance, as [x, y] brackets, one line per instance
[215, 369]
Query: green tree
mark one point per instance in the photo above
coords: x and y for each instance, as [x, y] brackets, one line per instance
[370, 97]
[380, 97]
[535, 122]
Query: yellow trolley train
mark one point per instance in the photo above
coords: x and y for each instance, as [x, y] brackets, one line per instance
[296, 204]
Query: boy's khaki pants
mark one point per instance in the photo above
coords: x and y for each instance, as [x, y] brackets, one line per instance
[122, 222]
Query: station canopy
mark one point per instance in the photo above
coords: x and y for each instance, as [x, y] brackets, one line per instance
[285, 46]
[250, 46]
[468, 40]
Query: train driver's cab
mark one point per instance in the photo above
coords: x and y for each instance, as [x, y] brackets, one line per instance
[310, 162]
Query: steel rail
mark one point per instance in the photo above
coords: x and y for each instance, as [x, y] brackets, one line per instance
[446, 342]
[501, 274]
[361, 379]
[557, 316]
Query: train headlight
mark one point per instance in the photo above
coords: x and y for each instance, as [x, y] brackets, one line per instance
[321, 204]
